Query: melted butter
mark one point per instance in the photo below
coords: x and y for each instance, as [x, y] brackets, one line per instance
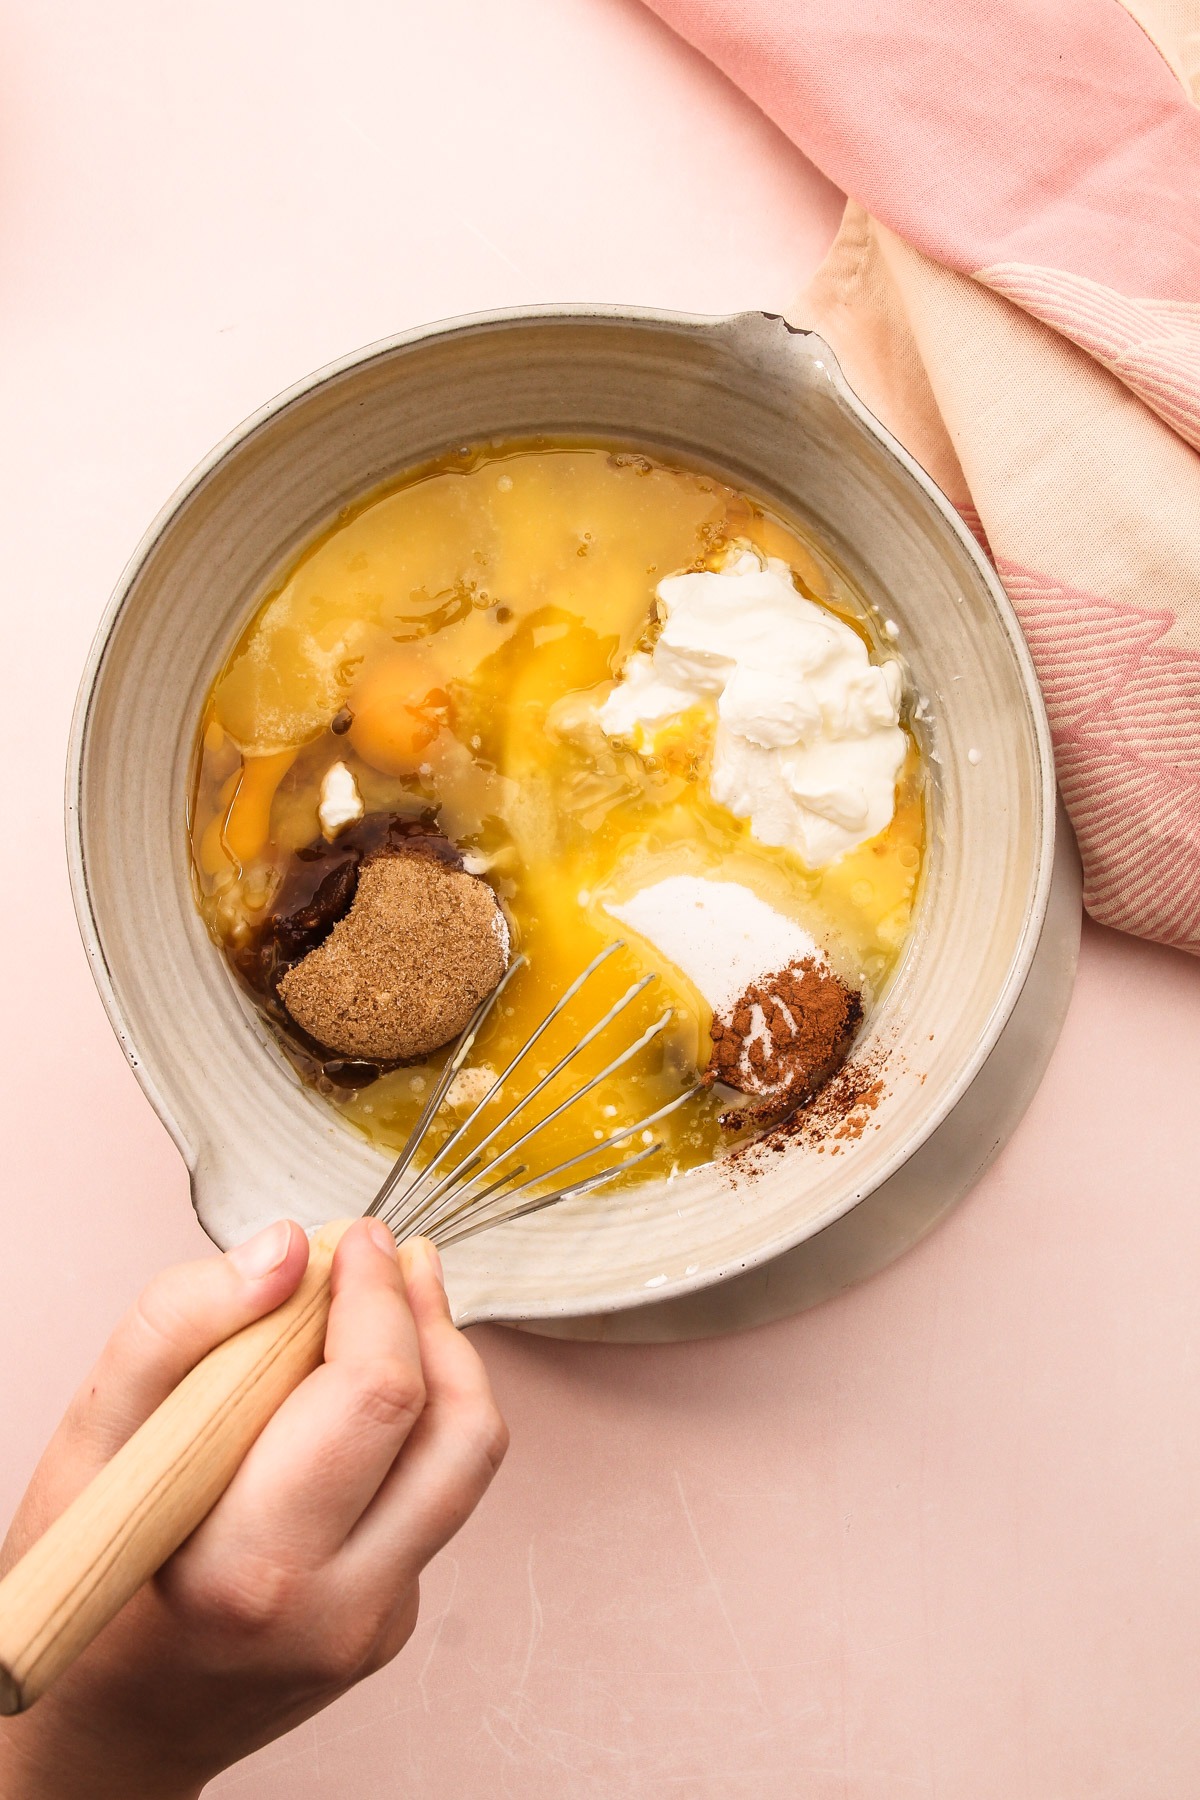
[469, 618]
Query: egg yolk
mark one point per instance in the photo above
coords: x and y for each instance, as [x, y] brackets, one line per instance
[450, 642]
[398, 707]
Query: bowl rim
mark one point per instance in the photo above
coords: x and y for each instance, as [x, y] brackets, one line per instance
[825, 361]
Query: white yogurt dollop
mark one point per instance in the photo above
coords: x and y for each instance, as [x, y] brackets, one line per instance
[808, 744]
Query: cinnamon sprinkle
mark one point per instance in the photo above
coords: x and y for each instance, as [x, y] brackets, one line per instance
[836, 1117]
[782, 1039]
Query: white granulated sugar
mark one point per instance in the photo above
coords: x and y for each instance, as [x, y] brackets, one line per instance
[500, 927]
[757, 1034]
[717, 933]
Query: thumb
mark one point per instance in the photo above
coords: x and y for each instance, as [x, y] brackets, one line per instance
[176, 1320]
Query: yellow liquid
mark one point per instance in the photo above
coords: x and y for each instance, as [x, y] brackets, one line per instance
[466, 617]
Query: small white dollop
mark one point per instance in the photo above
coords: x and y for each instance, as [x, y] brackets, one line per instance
[891, 629]
[469, 1086]
[974, 756]
[808, 743]
[341, 804]
[717, 933]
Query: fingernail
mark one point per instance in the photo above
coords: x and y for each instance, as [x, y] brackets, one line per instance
[381, 1237]
[433, 1259]
[262, 1255]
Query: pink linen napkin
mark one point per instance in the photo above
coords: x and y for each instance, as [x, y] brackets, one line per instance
[1015, 291]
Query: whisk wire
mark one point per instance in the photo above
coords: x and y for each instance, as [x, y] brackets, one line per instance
[458, 1174]
[454, 1063]
[538, 1205]
[479, 1192]
[445, 1214]
[459, 1132]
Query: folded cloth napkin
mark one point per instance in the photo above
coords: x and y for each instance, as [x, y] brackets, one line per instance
[1015, 291]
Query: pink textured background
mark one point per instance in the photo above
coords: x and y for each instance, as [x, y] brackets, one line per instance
[939, 1538]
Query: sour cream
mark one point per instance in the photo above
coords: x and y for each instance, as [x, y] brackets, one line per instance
[808, 743]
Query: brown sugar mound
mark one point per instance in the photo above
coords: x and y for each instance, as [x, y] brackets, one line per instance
[782, 1039]
[403, 971]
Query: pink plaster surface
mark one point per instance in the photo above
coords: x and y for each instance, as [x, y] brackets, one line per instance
[938, 1540]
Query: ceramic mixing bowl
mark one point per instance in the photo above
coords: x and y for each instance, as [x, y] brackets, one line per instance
[765, 407]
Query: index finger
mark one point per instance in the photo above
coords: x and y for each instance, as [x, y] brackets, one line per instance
[321, 1459]
[454, 1451]
[184, 1313]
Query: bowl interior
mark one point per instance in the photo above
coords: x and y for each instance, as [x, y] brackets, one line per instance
[767, 408]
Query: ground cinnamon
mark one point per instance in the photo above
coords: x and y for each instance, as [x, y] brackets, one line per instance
[839, 1114]
[782, 1038]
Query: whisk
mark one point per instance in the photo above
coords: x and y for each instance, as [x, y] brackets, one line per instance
[462, 1201]
[162, 1483]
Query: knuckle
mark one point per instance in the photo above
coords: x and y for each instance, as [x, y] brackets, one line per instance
[361, 1639]
[250, 1598]
[388, 1392]
[161, 1312]
[393, 1633]
[486, 1431]
[343, 1654]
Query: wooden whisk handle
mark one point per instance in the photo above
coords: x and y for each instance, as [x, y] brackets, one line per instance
[158, 1487]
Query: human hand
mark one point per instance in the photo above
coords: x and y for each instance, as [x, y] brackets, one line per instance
[304, 1577]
